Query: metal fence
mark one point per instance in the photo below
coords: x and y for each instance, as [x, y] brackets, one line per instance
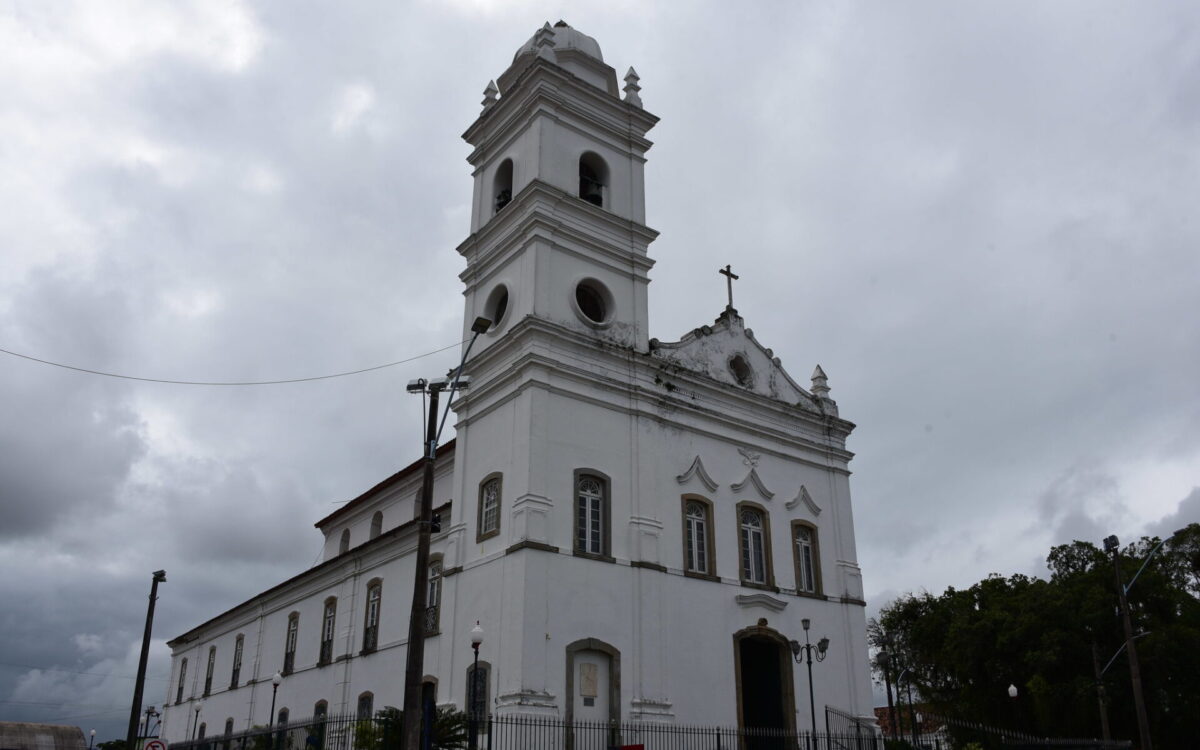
[522, 732]
[347, 732]
[517, 732]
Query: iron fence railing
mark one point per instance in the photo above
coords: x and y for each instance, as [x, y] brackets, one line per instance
[524, 732]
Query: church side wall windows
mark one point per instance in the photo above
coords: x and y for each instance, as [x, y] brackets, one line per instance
[229, 726]
[433, 603]
[698, 537]
[208, 670]
[376, 524]
[328, 623]
[289, 643]
[488, 522]
[371, 619]
[807, 558]
[366, 705]
[202, 730]
[593, 179]
[238, 646]
[754, 545]
[344, 545]
[476, 699]
[182, 678]
[592, 537]
[502, 186]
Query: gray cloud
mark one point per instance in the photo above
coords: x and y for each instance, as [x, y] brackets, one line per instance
[978, 220]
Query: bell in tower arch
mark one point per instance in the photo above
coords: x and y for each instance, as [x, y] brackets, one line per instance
[593, 175]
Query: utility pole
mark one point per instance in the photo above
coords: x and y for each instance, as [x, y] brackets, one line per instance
[1100, 693]
[415, 665]
[135, 712]
[1135, 672]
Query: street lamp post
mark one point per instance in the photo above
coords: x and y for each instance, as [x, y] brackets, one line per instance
[473, 717]
[135, 712]
[196, 724]
[1012, 693]
[415, 664]
[885, 659]
[821, 648]
[91, 739]
[1112, 546]
[275, 680]
[912, 715]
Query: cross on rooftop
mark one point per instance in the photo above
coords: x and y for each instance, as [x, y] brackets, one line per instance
[729, 275]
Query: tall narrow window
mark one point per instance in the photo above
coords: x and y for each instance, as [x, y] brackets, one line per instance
[593, 177]
[321, 709]
[697, 546]
[502, 186]
[229, 726]
[489, 508]
[477, 690]
[376, 524]
[289, 644]
[590, 515]
[237, 661]
[344, 544]
[753, 540]
[366, 705]
[208, 671]
[433, 604]
[371, 622]
[182, 677]
[808, 565]
[202, 730]
[328, 622]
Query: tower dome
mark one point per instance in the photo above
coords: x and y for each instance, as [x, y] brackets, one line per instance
[569, 49]
[565, 38]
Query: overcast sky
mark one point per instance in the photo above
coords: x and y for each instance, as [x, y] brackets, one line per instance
[979, 218]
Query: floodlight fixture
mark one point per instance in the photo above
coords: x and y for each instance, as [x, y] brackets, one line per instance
[438, 384]
[464, 383]
[160, 576]
[481, 325]
[1111, 543]
[416, 386]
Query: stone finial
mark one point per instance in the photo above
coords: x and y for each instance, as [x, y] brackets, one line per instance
[543, 41]
[820, 383]
[632, 88]
[489, 96]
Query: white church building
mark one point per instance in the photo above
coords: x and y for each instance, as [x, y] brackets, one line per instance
[639, 526]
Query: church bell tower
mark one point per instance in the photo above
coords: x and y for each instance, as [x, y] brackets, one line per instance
[558, 214]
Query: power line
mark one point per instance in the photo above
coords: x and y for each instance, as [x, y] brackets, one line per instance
[77, 671]
[90, 371]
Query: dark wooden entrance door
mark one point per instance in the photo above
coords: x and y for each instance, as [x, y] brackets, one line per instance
[763, 711]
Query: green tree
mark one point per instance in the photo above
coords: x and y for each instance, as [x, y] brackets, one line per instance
[963, 648]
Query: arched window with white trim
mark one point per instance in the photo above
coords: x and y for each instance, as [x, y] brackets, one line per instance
[754, 545]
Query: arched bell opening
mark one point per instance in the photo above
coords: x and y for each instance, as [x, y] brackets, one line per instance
[502, 186]
[593, 179]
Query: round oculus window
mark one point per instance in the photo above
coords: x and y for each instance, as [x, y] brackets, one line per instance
[741, 370]
[591, 302]
[497, 305]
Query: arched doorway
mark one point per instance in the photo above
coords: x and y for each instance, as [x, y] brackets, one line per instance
[765, 694]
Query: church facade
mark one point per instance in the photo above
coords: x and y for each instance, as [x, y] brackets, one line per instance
[639, 526]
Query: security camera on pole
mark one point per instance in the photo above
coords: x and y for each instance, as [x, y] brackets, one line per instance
[415, 666]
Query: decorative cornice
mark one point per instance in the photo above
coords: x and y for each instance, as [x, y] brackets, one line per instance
[697, 470]
[761, 600]
[803, 497]
[753, 478]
